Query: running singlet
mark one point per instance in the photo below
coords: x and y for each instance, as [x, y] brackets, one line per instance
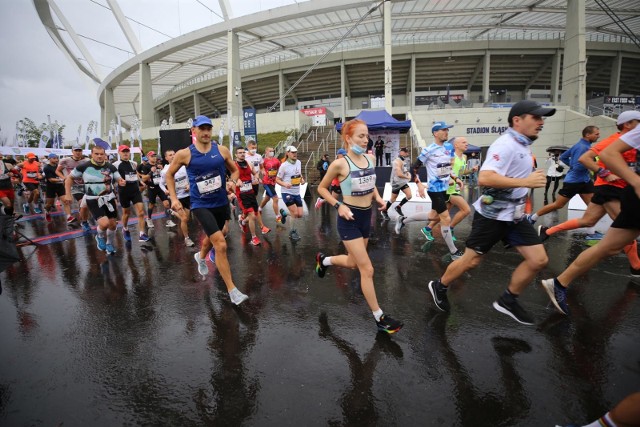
[437, 160]
[360, 181]
[244, 180]
[629, 157]
[207, 181]
[291, 172]
[68, 164]
[30, 172]
[396, 181]
[457, 168]
[271, 166]
[5, 176]
[127, 171]
[98, 179]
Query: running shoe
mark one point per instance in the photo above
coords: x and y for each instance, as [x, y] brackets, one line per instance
[427, 233]
[143, 238]
[212, 255]
[453, 237]
[25, 208]
[237, 297]
[283, 216]
[265, 229]
[633, 272]
[388, 324]
[188, 241]
[279, 219]
[293, 235]
[127, 235]
[439, 294]
[71, 219]
[385, 215]
[255, 241]
[149, 223]
[110, 249]
[85, 227]
[47, 216]
[37, 210]
[202, 264]
[457, 254]
[398, 209]
[321, 269]
[319, 202]
[242, 225]
[170, 223]
[542, 232]
[399, 224]
[513, 309]
[595, 236]
[557, 295]
[102, 243]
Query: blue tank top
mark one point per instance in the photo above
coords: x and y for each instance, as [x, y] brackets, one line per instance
[360, 181]
[207, 180]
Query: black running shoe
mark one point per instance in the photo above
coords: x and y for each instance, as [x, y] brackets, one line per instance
[389, 325]
[399, 210]
[542, 232]
[439, 294]
[514, 310]
[320, 268]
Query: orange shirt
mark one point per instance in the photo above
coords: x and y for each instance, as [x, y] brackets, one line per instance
[629, 157]
[30, 172]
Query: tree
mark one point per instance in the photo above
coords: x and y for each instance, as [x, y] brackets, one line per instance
[31, 133]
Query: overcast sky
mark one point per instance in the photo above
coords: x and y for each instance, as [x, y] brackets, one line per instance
[37, 79]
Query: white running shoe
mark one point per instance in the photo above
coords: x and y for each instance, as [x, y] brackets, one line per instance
[237, 297]
[188, 241]
[202, 264]
[170, 223]
[149, 223]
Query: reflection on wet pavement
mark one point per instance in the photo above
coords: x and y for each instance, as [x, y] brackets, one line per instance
[141, 338]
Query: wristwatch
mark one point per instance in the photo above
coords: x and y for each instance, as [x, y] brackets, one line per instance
[337, 205]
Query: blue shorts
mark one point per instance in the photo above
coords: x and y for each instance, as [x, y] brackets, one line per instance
[292, 199]
[359, 227]
[270, 190]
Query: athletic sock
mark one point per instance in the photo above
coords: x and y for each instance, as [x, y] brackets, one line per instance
[101, 232]
[377, 314]
[405, 200]
[605, 420]
[446, 233]
[571, 224]
[534, 217]
[150, 212]
[388, 205]
[110, 235]
[632, 254]
[327, 261]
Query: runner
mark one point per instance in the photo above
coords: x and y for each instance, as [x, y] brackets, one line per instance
[624, 230]
[129, 194]
[290, 178]
[182, 191]
[437, 159]
[65, 166]
[400, 177]
[256, 162]
[31, 177]
[55, 185]
[206, 166]
[7, 194]
[506, 176]
[246, 195]
[98, 177]
[357, 176]
[269, 169]
[454, 197]
[150, 175]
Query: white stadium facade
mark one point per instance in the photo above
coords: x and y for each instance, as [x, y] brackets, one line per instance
[462, 61]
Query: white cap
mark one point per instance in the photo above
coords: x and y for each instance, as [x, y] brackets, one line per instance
[627, 116]
[292, 149]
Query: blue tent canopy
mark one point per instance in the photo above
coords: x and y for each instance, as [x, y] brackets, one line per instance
[472, 149]
[380, 120]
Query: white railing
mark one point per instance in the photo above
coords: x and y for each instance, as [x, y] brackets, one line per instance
[306, 165]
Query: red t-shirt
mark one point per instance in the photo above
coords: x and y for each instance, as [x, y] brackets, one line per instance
[271, 166]
[629, 157]
[244, 180]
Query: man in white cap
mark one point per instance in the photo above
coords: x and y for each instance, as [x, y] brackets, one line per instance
[290, 178]
[506, 176]
[65, 166]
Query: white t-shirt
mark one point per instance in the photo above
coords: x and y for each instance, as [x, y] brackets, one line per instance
[254, 161]
[633, 139]
[292, 173]
[181, 180]
[509, 158]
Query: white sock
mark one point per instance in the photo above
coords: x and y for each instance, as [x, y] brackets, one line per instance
[534, 217]
[327, 261]
[607, 421]
[110, 235]
[377, 314]
[101, 232]
[446, 233]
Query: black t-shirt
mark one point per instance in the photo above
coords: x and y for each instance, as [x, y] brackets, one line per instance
[155, 175]
[127, 170]
[50, 173]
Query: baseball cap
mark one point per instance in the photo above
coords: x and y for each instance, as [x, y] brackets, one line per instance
[77, 147]
[342, 151]
[52, 156]
[627, 116]
[439, 126]
[124, 148]
[31, 156]
[202, 120]
[292, 149]
[151, 153]
[530, 107]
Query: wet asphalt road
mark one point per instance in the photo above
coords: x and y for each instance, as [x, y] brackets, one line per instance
[141, 338]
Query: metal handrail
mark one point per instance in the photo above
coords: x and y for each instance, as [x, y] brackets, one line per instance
[306, 166]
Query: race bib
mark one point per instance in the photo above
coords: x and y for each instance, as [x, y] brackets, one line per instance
[208, 183]
[296, 179]
[362, 182]
[246, 187]
[182, 183]
[131, 177]
[32, 175]
[272, 173]
[443, 170]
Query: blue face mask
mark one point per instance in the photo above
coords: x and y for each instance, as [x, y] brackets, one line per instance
[357, 149]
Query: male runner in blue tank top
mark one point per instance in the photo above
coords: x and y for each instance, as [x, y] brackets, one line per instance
[206, 165]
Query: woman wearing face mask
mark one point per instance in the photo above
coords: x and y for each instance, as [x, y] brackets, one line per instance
[357, 176]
